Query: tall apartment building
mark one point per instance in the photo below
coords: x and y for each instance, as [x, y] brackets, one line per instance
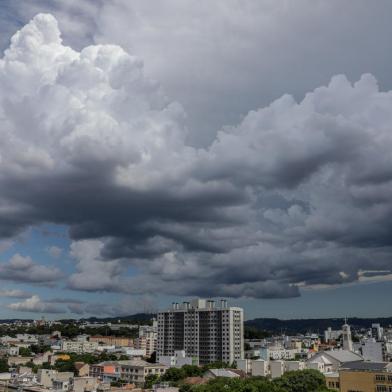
[208, 332]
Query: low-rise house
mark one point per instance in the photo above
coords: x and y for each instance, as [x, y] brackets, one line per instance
[83, 369]
[105, 371]
[254, 367]
[5, 376]
[13, 351]
[78, 347]
[136, 370]
[179, 359]
[84, 384]
[214, 373]
[134, 352]
[16, 361]
[40, 359]
[47, 378]
[62, 385]
[332, 360]
[294, 365]
[277, 368]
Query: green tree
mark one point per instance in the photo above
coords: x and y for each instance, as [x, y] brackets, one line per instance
[151, 379]
[24, 352]
[3, 366]
[302, 381]
[174, 374]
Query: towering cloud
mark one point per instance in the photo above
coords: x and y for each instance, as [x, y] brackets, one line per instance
[297, 194]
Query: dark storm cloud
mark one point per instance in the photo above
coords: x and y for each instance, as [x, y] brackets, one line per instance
[296, 195]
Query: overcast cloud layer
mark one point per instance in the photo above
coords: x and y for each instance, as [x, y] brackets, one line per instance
[298, 194]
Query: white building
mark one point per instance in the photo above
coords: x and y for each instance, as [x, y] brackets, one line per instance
[259, 368]
[346, 335]
[133, 352]
[330, 361]
[294, 366]
[79, 347]
[331, 334]
[373, 350]
[203, 330]
[178, 360]
[277, 368]
[377, 331]
[136, 370]
[277, 353]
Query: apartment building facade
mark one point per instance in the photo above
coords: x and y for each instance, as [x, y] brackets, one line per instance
[366, 377]
[132, 371]
[205, 331]
[78, 347]
[112, 340]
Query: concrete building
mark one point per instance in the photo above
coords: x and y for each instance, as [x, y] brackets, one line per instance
[78, 347]
[254, 367]
[372, 350]
[259, 367]
[133, 352]
[136, 370]
[53, 379]
[82, 369]
[132, 371]
[331, 361]
[84, 384]
[377, 331]
[346, 336]
[147, 342]
[277, 368]
[277, 353]
[332, 381]
[294, 366]
[331, 335]
[105, 371]
[112, 341]
[366, 377]
[179, 359]
[203, 330]
[215, 373]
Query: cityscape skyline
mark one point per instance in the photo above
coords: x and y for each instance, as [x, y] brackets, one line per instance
[158, 153]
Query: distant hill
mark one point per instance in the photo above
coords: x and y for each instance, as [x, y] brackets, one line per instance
[270, 325]
[139, 317]
[8, 321]
[312, 325]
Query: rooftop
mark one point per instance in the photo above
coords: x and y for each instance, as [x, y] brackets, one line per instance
[368, 366]
[343, 356]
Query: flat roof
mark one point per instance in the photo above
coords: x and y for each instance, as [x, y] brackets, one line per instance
[366, 366]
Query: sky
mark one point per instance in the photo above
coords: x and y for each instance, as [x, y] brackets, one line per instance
[159, 151]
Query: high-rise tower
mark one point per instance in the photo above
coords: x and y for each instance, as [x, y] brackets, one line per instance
[206, 331]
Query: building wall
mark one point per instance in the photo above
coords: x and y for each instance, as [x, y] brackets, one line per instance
[365, 381]
[332, 381]
[112, 340]
[277, 369]
[259, 368]
[202, 330]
